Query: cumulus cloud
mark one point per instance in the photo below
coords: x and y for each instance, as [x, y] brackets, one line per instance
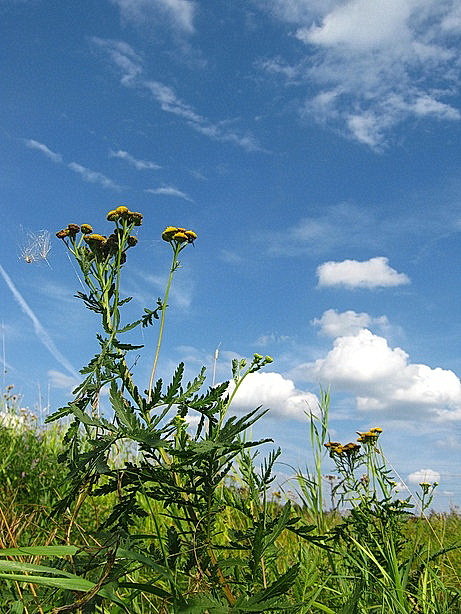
[272, 390]
[383, 379]
[55, 157]
[178, 13]
[169, 190]
[93, 176]
[424, 475]
[373, 65]
[373, 273]
[130, 65]
[338, 324]
[140, 165]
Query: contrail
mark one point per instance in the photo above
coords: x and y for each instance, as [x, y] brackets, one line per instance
[41, 333]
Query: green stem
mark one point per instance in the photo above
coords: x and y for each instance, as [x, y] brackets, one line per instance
[174, 266]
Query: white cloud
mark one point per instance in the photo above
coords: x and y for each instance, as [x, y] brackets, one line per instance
[344, 225]
[361, 24]
[424, 475]
[384, 380]
[169, 190]
[338, 324]
[93, 176]
[178, 13]
[373, 273]
[60, 380]
[140, 165]
[271, 339]
[375, 64]
[55, 157]
[42, 334]
[131, 67]
[124, 57]
[272, 390]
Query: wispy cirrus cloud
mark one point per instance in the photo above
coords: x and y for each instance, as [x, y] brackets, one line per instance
[91, 176]
[369, 66]
[343, 225]
[55, 157]
[179, 14]
[130, 65]
[39, 329]
[85, 173]
[169, 190]
[140, 165]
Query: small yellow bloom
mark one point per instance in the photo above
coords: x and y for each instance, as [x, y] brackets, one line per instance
[86, 229]
[73, 229]
[180, 237]
[376, 429]
[135, 218]
[95, 240]
[112, 216]
[168, 233]
[132, 240]
[62, 234]
[191, 235]
[122, 210]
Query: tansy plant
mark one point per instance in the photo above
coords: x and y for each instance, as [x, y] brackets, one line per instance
[177, 481]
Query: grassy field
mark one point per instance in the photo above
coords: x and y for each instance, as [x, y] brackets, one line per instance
[367, 556]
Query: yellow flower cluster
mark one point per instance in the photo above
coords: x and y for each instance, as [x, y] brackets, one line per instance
[178, 235]
[335, 448]
[73, 229]
[370, 436]
[122, 213]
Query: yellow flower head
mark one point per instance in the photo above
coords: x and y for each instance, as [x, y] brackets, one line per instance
[191, 236]
[62, 234]
[167, 234]
[376, 429]
[86, 229]
[73, 229]
[135, 218]
[180, 237]
[122, 211]
[112, 216]
[132, 240]
[94, 240]
[332, 444]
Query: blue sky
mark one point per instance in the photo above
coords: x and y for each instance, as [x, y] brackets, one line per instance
[314, 148]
